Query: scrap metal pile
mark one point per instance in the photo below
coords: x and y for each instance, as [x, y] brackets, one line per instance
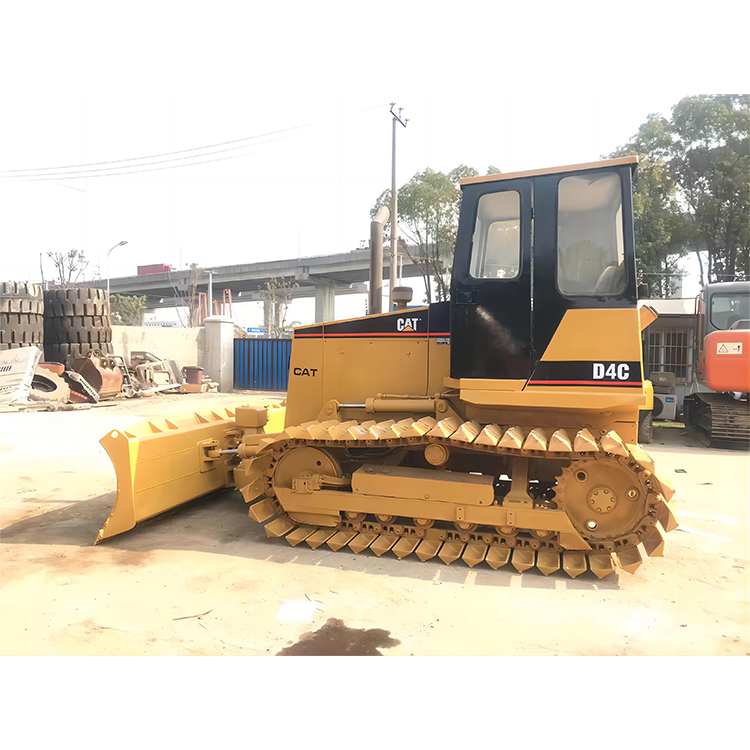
[56, 350]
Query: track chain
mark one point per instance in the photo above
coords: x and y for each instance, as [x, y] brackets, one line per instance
[523, 550]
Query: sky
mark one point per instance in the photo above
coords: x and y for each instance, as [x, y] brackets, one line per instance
[299, 93]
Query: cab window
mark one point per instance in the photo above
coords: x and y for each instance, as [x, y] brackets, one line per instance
[496, 242]
[590, 248]
[728, 309]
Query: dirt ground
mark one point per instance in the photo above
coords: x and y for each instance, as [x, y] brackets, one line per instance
[206, 579]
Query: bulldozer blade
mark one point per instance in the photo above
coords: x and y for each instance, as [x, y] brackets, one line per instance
[337, 541]
[654, 544]
[560, 442]
[536, 440]
[261, 511]
[584, 442]
[574, 563]
[548, 562]
[523, 559]
[665, 517]
[497, 557]
[490, 435]
[279, 527]
[160, 470]
[362, 541]
[601, 565]
[629, 559]
[428, 549]
[474, 554]
[612, 443]
[320, 537]
[300, 534]
[451, 551]
[405, 546]
[383, 543]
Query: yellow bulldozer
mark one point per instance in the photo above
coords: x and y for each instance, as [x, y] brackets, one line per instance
[499, 427]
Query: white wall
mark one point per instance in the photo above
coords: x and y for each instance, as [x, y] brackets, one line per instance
[184, 346]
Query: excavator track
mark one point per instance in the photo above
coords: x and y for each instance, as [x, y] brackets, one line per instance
[612, 499]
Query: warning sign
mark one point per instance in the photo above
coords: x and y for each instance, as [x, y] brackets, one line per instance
[729, 347]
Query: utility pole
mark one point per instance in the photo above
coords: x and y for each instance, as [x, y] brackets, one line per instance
[394, 208]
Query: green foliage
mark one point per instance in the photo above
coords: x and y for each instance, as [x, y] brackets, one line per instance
[692, 190]
[711, 163]
[127, 310]
[428, 208]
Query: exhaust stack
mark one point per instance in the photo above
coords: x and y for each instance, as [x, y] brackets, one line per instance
[375, 302]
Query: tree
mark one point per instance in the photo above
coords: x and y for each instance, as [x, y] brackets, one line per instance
[692, 191]
[277, 296]
[428, 209]
[711, 164]
[69, 266]
[662, 229]
[127, 310]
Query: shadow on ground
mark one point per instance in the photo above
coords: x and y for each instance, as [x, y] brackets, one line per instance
[219, 524]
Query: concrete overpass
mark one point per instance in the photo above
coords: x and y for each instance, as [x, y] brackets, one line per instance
[321, 277]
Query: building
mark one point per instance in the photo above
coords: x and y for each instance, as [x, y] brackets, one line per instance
[669, 342]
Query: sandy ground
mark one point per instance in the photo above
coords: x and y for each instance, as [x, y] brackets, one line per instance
[206, 579]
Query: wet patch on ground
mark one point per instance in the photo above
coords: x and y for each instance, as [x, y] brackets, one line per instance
[336, 639]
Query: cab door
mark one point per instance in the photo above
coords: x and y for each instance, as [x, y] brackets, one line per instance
[491, 282]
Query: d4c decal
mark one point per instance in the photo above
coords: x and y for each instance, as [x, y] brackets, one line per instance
[611, 371]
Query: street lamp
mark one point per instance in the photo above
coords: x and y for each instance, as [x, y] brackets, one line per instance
[124, 242]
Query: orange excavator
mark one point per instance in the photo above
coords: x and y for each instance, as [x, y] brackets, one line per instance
[718, 405]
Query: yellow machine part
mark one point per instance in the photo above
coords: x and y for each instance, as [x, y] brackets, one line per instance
[162, 463]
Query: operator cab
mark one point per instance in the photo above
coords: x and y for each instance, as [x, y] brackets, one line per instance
[530, 247]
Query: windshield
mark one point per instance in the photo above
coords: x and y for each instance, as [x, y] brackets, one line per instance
[590, 235]
[728, 309]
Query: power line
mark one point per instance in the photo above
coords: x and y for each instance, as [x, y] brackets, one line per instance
[114, 172]
[124, 164]
[157, 156]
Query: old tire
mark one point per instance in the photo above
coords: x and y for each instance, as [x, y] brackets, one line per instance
[21, 310]
[46, 386]
[645, 427]
[59, 303]
[75, 322]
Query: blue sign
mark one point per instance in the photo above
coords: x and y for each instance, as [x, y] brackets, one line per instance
[256, 330]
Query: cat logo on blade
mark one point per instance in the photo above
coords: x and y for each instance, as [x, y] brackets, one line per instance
[406, 325]
[614, 371]
[309, 371]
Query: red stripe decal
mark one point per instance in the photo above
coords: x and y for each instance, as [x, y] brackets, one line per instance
[585, 382]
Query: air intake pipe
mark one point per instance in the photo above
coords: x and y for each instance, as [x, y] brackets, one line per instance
[375, 302]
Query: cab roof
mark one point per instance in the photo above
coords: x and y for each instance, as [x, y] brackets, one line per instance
[632, 160]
